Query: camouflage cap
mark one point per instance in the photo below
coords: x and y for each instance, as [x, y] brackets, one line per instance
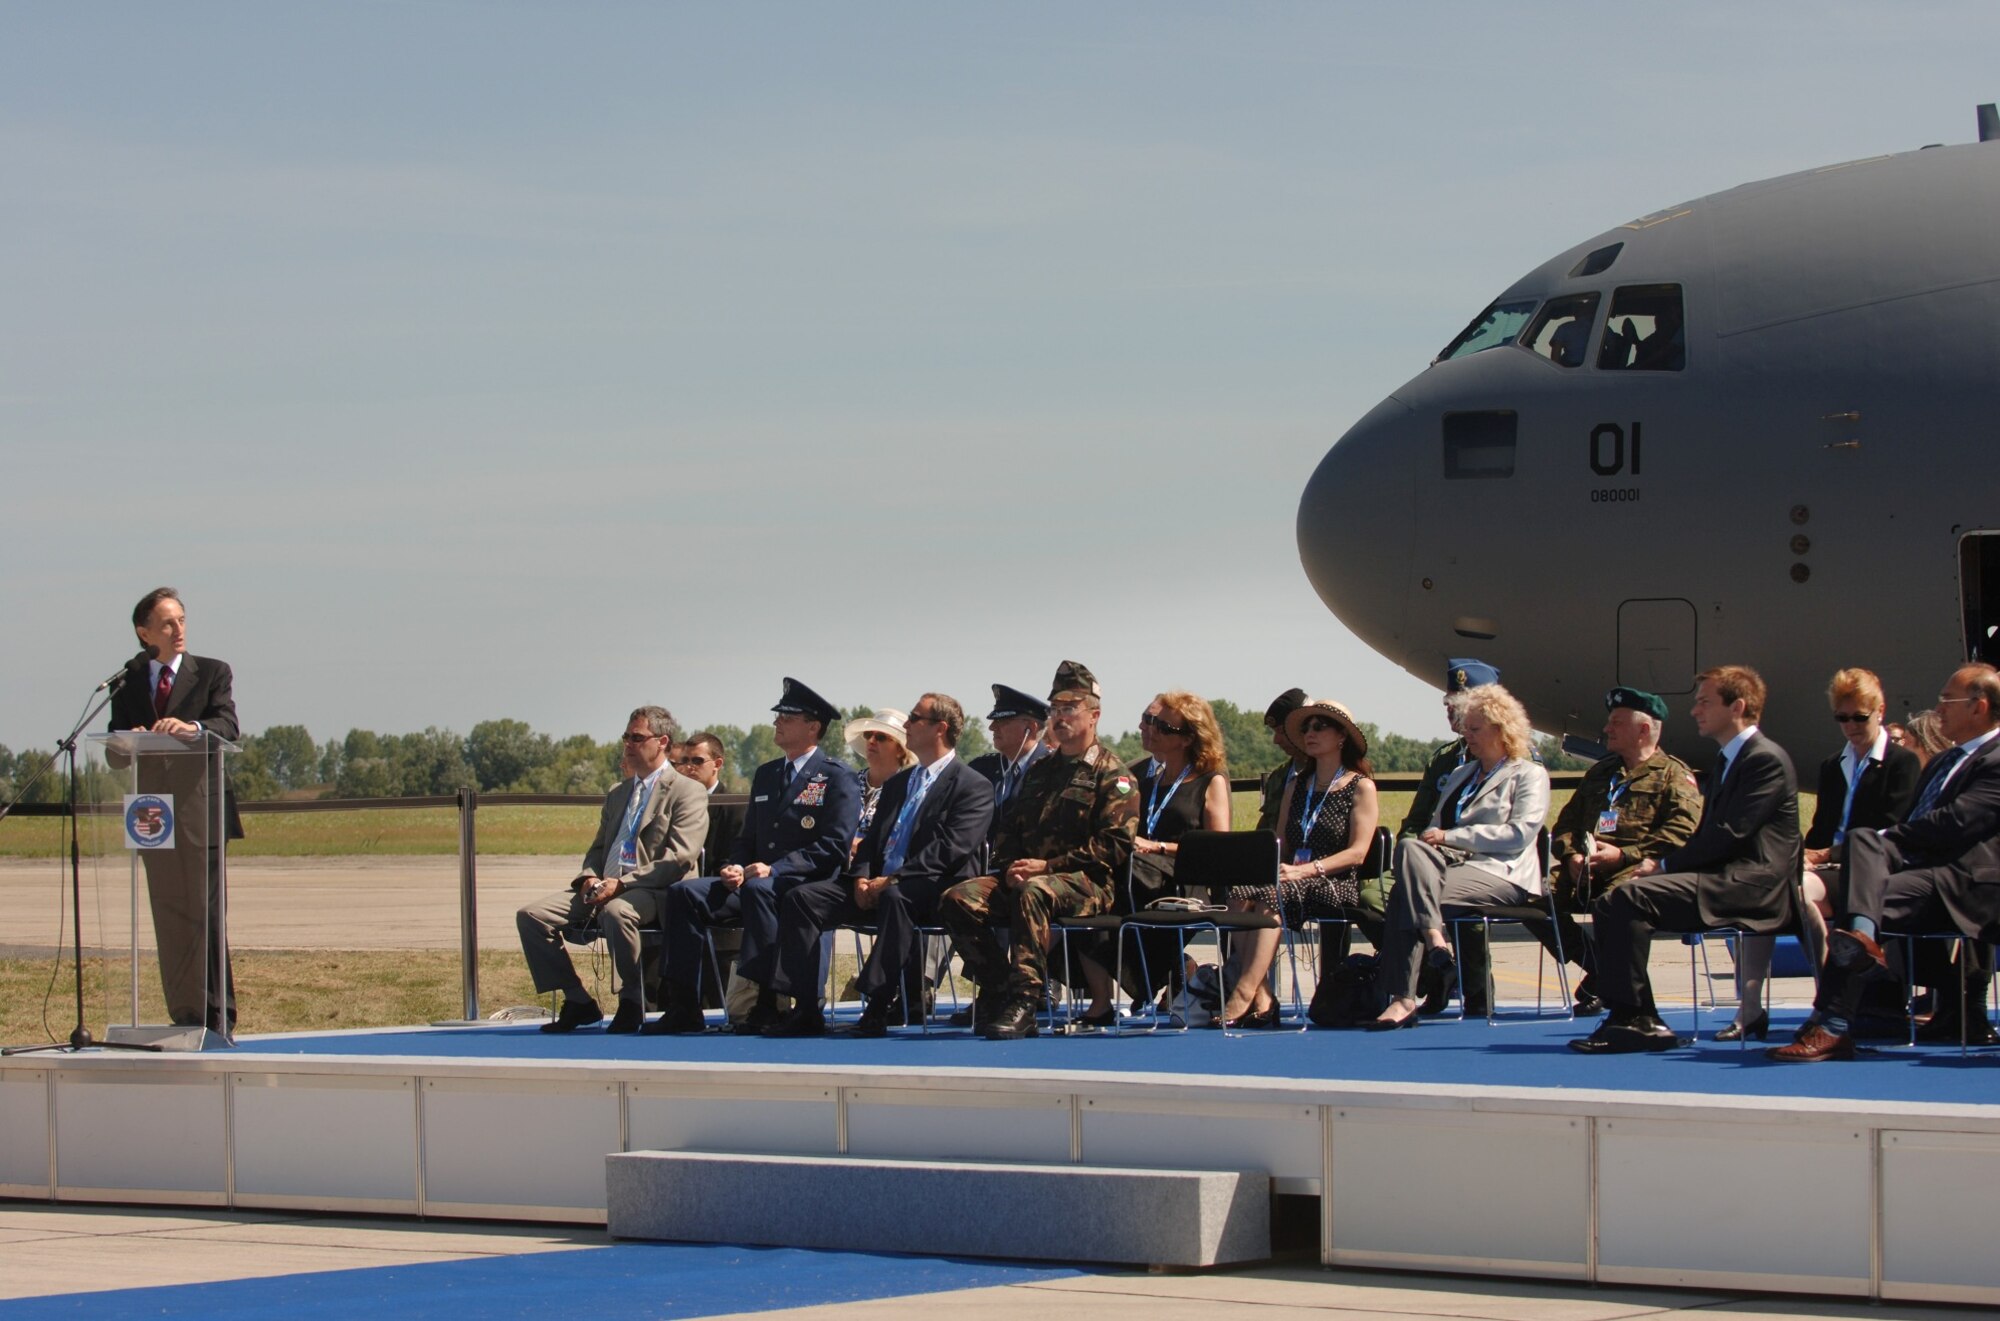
[1637, 699]
[1466, 672]
[1009, 702]
[1073, 680]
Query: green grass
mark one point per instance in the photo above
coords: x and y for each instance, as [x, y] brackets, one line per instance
[530, 831]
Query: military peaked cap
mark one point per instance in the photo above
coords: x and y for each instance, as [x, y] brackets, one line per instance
[1465, 673]
[1013, 702]
[800, 700]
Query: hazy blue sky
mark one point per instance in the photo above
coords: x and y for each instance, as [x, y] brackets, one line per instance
[473, 360]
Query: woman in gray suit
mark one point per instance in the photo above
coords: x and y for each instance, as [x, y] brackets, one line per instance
[1480, 847]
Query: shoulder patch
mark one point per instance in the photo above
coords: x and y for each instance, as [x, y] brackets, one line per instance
[1122, 785]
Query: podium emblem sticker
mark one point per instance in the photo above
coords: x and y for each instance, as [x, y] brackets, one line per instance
[149, 821]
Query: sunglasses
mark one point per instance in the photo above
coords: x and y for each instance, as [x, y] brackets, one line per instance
[1317, 725]
[1159, 726]
[918, 716]
[636, 739]
[1854, 718]
[876, 736]
[692, 761]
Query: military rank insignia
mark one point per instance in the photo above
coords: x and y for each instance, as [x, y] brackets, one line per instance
[813, 795]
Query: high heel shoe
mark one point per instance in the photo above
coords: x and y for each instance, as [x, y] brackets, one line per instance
[1251, 1020]
[1756, 1029]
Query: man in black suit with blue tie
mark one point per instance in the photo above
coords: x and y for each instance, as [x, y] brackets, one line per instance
[926, 836]
[803, 811]
[1738, 869]
[1938, 870]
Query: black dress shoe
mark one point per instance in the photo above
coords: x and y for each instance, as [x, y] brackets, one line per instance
[629, 1017]
[680, 1018]
[575, 1014]
[1585, 1001]
[1942, 1030]
[804, 1021]
[1395, 1024]
[763, 1014]
[1014, 1020]
[1637, 1036]
[1756, 1029]
[875, 1019]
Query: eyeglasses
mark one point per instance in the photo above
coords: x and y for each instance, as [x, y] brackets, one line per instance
[1160, 726]
[636, 739]
[919, 716]
[692, 761]
[877, 736]
[1317, 725]
[1854, 717]
[1065, 708]
[1947, 701]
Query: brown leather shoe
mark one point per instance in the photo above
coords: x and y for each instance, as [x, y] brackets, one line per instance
[1813, 1045]
[1852, 952]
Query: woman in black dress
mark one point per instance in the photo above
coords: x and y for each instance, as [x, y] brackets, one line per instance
[1185, 787]
[1329, 813]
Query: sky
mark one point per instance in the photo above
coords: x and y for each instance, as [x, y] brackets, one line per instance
[464, 361]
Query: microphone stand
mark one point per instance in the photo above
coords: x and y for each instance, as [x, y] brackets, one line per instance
[79, 1037]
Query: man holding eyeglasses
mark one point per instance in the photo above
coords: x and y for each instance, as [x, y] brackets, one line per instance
[1938, 870]
[1066, 837]
[647, 837]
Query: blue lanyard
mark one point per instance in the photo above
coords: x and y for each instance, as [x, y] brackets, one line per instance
[1473, 784]
[1156, 804]
[1310, 816]
[1619, 784]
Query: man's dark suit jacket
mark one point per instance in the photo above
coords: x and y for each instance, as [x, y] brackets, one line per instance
[1885, 793]
[992, 766]
[950, 829]
[202, 695]
[725, 823]
[1747, 847]
[1961, 832]
[804, 832]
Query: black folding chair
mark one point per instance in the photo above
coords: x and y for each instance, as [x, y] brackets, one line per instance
[1209, 863]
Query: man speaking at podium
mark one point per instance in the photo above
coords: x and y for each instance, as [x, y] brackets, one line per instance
[168, 691]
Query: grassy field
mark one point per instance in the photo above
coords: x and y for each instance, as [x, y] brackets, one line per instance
[536, 831]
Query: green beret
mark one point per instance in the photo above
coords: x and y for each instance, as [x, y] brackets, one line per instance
[1637, 699]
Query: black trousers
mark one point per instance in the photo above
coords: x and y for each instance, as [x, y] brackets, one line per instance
[806, 912]
[1625, 920]
[1899, 896]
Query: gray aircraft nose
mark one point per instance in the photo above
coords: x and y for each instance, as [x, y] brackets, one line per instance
[1357, 525]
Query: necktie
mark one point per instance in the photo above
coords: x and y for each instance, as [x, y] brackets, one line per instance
[628, 834]
[898, 847]
[1934, 787]
[163, 692]
[1721, 769]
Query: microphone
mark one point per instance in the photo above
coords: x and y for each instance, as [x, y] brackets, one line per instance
[117, 681]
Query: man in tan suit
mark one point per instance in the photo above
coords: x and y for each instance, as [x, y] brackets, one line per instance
[648, 837]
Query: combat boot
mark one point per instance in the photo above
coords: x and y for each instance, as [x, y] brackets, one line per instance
[1015, 1019]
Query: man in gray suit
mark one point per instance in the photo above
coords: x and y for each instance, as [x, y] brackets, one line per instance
[647, 838]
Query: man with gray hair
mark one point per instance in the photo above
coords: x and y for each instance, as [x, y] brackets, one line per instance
[647, 838]
[1637, 803]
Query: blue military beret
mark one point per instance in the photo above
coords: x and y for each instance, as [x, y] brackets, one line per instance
[1465, 673]
[1013, 702]
[800, 700]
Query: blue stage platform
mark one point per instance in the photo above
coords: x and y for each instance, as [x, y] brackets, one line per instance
[1707, 1166]
[1443, 1052]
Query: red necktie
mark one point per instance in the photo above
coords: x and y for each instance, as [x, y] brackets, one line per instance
[162, 692]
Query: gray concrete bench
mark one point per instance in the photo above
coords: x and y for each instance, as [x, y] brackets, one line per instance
[947, 1208]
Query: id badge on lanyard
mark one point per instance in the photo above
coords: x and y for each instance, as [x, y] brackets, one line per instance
[1607, 821]
[1300, 857]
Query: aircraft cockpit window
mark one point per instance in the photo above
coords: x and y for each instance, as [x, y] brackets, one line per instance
[1644, 332]
[1597, 262]
[1562, 332]
[1496, 326]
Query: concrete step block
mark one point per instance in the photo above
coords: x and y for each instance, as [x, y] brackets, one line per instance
[948, 1208]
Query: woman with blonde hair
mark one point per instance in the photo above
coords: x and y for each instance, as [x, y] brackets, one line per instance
[1480, 847]
[1870, 782]
[1185, 786]
[1327, 821]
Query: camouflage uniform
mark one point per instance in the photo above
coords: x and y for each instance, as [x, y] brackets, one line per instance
[1080, 815]
[1273, 800]
[1446, 760]
[1658, 809]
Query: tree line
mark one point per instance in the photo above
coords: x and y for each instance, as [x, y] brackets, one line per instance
[509, 756]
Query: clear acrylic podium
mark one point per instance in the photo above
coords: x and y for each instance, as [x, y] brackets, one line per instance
[159, 823]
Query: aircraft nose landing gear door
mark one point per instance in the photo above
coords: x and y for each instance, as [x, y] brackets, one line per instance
[1979, 594]
[1656, 645]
